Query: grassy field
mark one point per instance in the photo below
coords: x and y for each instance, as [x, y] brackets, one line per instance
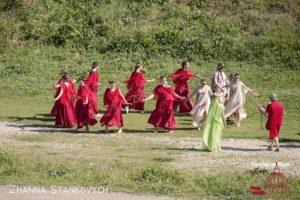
[259, 39]
[135, 163]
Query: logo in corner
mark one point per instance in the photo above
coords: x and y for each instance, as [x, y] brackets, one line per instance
[276, 184]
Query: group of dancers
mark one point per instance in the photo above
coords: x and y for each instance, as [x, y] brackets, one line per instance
[214, 105]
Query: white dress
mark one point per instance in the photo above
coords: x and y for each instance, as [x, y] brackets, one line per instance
[221, 79]
[236, 100]
[201, 105]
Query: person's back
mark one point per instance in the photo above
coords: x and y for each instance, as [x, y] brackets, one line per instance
[275, 112]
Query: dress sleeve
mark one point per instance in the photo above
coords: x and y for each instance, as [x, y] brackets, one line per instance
[90, 80]
[268, 109]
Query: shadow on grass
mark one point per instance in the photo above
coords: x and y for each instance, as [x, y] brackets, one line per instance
[40, 128]
[203, 150]
[186, 129]
[176, 149]
[129, 131]
[38, 117]
[291, 146]
[46, 128]
[241, 149]
[185, 123]
[286, 140]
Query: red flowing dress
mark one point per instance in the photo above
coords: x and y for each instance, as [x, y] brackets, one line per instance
[92, 83]
[113, 114]
[72, 90]
[275, 112]
[64, 108]
[163, 115]
[84, 109]
[135, 85]
[180, 79]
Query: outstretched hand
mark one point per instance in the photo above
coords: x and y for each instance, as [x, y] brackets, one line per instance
[256, 95]
[55, 86]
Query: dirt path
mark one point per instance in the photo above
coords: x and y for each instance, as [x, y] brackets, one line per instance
[237, 154]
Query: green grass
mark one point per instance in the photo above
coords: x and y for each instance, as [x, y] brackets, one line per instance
[120, 175]
[259, 39]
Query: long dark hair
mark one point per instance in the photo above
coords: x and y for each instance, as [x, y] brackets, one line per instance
[184, 63]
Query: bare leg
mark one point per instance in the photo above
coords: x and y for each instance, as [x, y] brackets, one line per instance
[87, 128]
[270, 147]
[276, 143]
[201, 121]
[127, 109]
[155, 129]
[120, 130]
[106, 129]
[238, 117]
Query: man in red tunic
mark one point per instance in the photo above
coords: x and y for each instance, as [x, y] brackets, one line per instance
[92, 83]
[163, 115]
[84, 106]
[273, 112]
[180, 79]
[135, 85]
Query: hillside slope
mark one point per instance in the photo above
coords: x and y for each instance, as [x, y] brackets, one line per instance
[257, 38]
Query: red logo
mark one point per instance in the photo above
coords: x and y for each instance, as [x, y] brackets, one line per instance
[276, 184]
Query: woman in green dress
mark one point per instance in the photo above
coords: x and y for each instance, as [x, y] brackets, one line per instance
[214, 125]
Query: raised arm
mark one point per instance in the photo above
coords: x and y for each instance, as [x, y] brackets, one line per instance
[262, 110]
[200, 77]
[151, 80]
[179, 97]
[55, 86]
[250, 90]
[149, 98]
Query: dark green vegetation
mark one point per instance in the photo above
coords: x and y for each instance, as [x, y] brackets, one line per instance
[259, 39]
[197, 29]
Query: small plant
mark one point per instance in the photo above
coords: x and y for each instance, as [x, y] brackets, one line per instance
[163, 159]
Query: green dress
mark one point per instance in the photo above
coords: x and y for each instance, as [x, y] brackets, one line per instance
[213, 127]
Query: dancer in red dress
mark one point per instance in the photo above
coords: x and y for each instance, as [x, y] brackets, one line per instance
[92, 83]
[113, 100]
[135, 85]
[64, 108]
[163, 115]
[274, 113]
[180, 79]
[72, 88]
[84, 110]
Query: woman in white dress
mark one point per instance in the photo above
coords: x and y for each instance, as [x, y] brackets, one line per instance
[235, 103]
[202, 103]
[219, 83]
